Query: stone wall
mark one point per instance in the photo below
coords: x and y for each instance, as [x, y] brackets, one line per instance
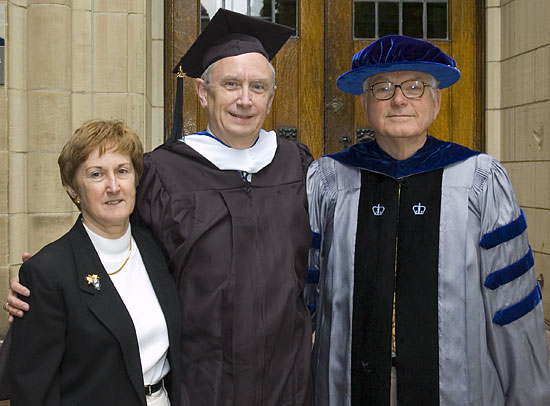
[518, 112]
[68, 61]
[4, 268]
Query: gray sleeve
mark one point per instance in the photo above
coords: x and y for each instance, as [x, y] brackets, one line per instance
[512, 298]
[320, 194]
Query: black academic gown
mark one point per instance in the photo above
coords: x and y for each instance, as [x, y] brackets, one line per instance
[238, 253]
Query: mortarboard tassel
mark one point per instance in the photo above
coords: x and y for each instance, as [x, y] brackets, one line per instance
[177, 125]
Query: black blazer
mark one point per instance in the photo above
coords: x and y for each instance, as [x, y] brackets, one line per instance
[77, 345]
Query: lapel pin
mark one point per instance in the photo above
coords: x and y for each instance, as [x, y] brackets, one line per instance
[93, 280]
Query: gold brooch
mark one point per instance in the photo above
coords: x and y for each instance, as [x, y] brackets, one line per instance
[93, 280]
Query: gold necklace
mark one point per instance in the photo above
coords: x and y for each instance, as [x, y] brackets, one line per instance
[125, 262]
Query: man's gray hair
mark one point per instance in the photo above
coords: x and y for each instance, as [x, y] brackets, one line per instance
[208, 71]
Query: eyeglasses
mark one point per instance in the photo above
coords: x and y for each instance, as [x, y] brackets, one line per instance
[411, 89]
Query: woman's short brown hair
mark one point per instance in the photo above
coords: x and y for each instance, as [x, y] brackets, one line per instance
[105, 134]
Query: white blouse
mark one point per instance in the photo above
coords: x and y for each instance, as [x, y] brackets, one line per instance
[135, 289]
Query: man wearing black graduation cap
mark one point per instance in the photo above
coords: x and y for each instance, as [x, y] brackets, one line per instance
[228, 206]
[427, 292]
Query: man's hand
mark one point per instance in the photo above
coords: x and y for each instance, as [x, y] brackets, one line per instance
[15, 306]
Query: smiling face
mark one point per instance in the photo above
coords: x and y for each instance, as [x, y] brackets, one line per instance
[238, 98]
[399, 120]
[106, 187]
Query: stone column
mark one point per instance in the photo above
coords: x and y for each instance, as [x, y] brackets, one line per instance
[68, 61]
[49, 86]
[518, 121]
[4, 159]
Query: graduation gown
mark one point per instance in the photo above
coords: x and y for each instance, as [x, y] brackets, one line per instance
[442, 231]
[238, 253]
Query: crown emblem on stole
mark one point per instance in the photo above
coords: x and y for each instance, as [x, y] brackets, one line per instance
[378, 210]
[419, 209]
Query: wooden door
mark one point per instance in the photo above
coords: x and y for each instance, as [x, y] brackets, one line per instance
[308, 105]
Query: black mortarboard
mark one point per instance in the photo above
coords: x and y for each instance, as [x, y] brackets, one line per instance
[227, 34]
[231, 34]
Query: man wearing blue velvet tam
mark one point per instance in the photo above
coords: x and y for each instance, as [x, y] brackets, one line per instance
[427, 292]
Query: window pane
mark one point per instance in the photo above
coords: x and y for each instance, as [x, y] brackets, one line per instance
[258, 7]
[285, 12]
[437, 20]
[388, 19]
[412, 20]
[266, 12]
[207, 12]
[364, 20]
[238, 6]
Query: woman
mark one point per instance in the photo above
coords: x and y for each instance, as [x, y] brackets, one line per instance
[102, 328]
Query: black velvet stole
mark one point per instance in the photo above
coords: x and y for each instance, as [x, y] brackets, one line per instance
[397, 248]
